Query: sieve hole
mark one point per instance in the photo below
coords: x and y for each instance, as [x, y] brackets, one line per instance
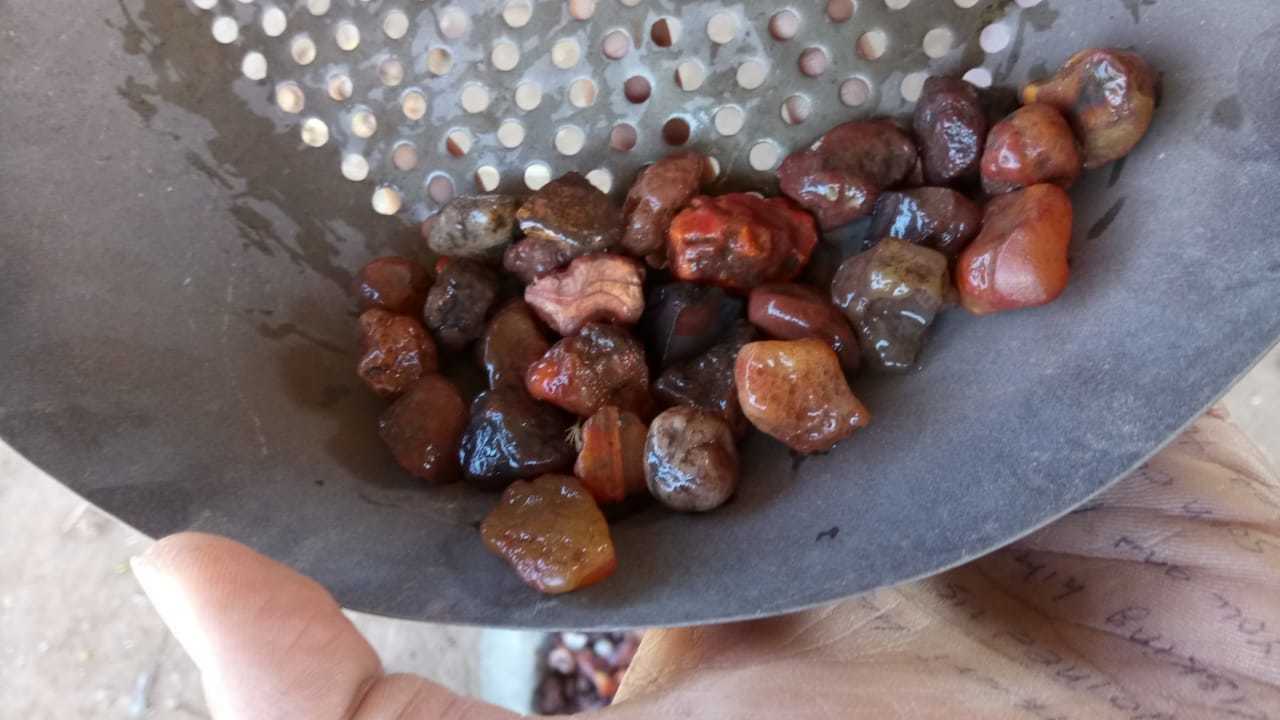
[458, 142]
[254, 65]
[784, 25]
[854, 92]
[582, 92]
[665, 32]
[722, 28]
[314, 132]
[995, 37]
[938, 42]
[565, 53]
[510, 134]
[602, 179]
[896, 4]
[440, 188]
[505, 55]
[536, 175]
[763, 155]
[387, 200]
[569, 140]
[796, 109]
[340, 87]
[839, 10]
[690, 75]
[710, 169]
[751, 74]
[516, 13]
[582, 9]
[274, 21]
[979, 77]
[528, 95]
[873, 44]
[729, 120]
[623, 137]
[395, 24]
[404, 156]
[347, 35]
[364, 123]
[487, 178]
[225, 29]
[391, 72]
[439, 61]
[813, 61]
[913, 85]
[317, 7]
[413, 104]
[289, 97]
[616, 44]
[675, 131]
[452, 22]
[637, 88]
[474, 98]
[302, 49]
[966, 4]
[355, 167]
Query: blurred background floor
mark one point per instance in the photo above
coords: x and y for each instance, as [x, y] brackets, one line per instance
[79, 640]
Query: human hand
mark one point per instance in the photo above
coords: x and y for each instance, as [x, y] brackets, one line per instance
[1157, 600]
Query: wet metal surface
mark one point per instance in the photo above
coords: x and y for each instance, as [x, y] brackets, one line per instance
[178, 345]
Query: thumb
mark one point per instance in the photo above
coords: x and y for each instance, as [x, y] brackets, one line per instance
[271, 643]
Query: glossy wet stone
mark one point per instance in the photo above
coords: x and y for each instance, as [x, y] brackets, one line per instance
[552, 534]
[795, 391]
[475, 226]
[740, 240]
[1020, 258]
[511, 437]
[935, 217]
[839, 177]
[891, 295]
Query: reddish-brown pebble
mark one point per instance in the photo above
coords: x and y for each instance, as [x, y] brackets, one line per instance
[423, 428]
[795, 391]
[395, 351]
[740, 240]
[611, 463]
[1033, 145]
[601, 365]
[396, 284]
[1019, 259]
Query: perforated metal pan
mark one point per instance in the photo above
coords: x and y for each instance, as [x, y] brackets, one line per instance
[176, 341]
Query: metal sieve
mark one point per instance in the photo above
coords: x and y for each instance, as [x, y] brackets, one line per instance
[176, 331]
[417, 101]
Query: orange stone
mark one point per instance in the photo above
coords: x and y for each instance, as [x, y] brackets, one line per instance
[1019, 260]
[552, 533]
[611, 464]
[796, 391]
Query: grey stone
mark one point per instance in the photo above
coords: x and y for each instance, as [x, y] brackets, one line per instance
[475, 226]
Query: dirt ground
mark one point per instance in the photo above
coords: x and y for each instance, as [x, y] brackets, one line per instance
[78, 639]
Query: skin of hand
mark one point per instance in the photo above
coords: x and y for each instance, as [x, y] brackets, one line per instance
[1157, 600]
